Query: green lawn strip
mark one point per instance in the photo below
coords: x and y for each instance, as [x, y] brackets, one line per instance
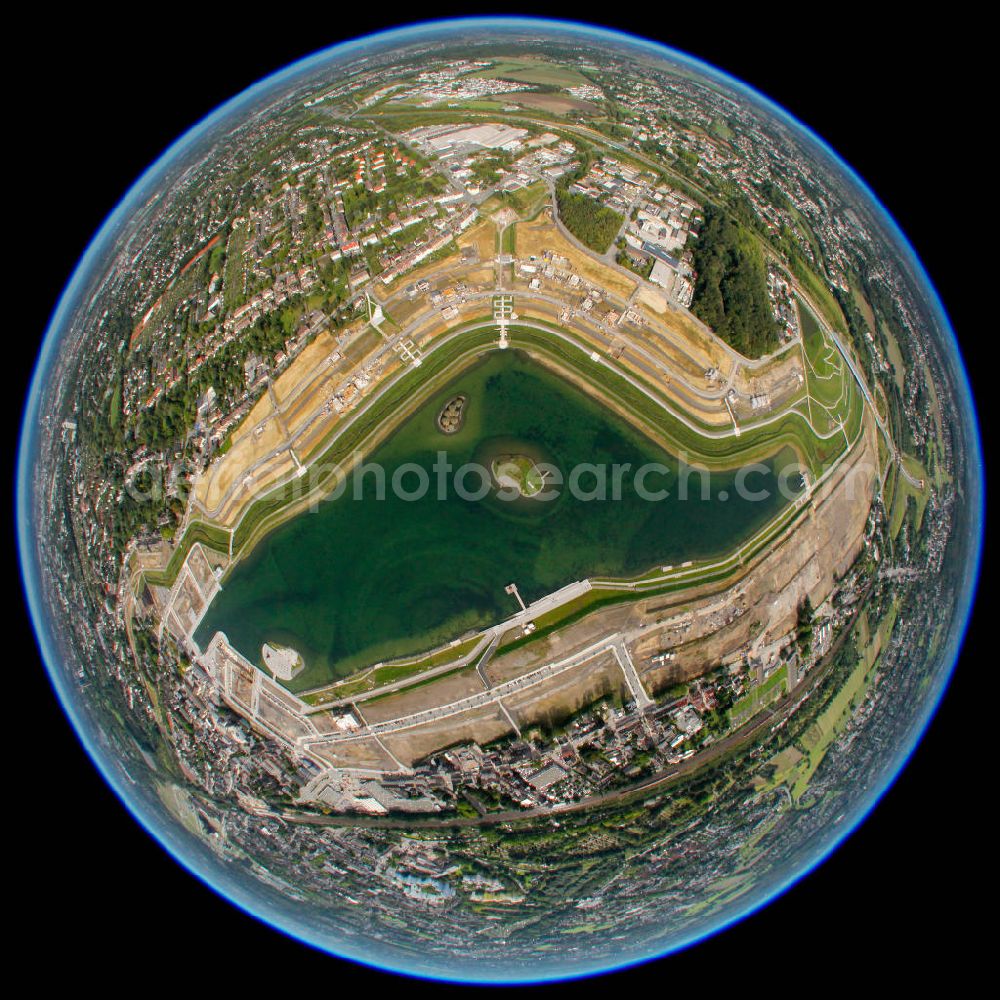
[387, 673]
[904, 490]
[826, 370]
[420, 682]
[821, 295]
[831, 721]
[508, 241]
[763, 694]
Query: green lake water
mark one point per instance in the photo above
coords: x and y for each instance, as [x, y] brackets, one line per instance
[359, 581]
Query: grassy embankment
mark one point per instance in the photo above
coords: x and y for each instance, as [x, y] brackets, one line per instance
[790, 430]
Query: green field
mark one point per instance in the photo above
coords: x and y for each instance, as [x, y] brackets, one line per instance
[833, 394]
[831, 722]
[534, 71]
[820, 293]
[507, 241]
[796, 764]
[904, 490]
[763, 694]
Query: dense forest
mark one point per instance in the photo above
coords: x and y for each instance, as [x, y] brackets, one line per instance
[588, 220]
[730, 292]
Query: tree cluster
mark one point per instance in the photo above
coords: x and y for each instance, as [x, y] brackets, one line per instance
[592, 223]
[730, 291]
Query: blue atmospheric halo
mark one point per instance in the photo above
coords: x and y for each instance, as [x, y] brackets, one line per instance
[234, 885]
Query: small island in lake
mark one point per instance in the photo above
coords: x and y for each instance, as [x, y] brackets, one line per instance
[450, 418]
[518, 472]
[283, 661]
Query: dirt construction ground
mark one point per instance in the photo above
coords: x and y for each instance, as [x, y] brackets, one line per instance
[540, 235]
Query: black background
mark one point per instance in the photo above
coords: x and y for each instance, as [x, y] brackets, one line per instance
[99, 98]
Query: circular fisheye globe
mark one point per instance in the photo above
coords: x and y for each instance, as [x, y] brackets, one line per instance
[499, 500]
